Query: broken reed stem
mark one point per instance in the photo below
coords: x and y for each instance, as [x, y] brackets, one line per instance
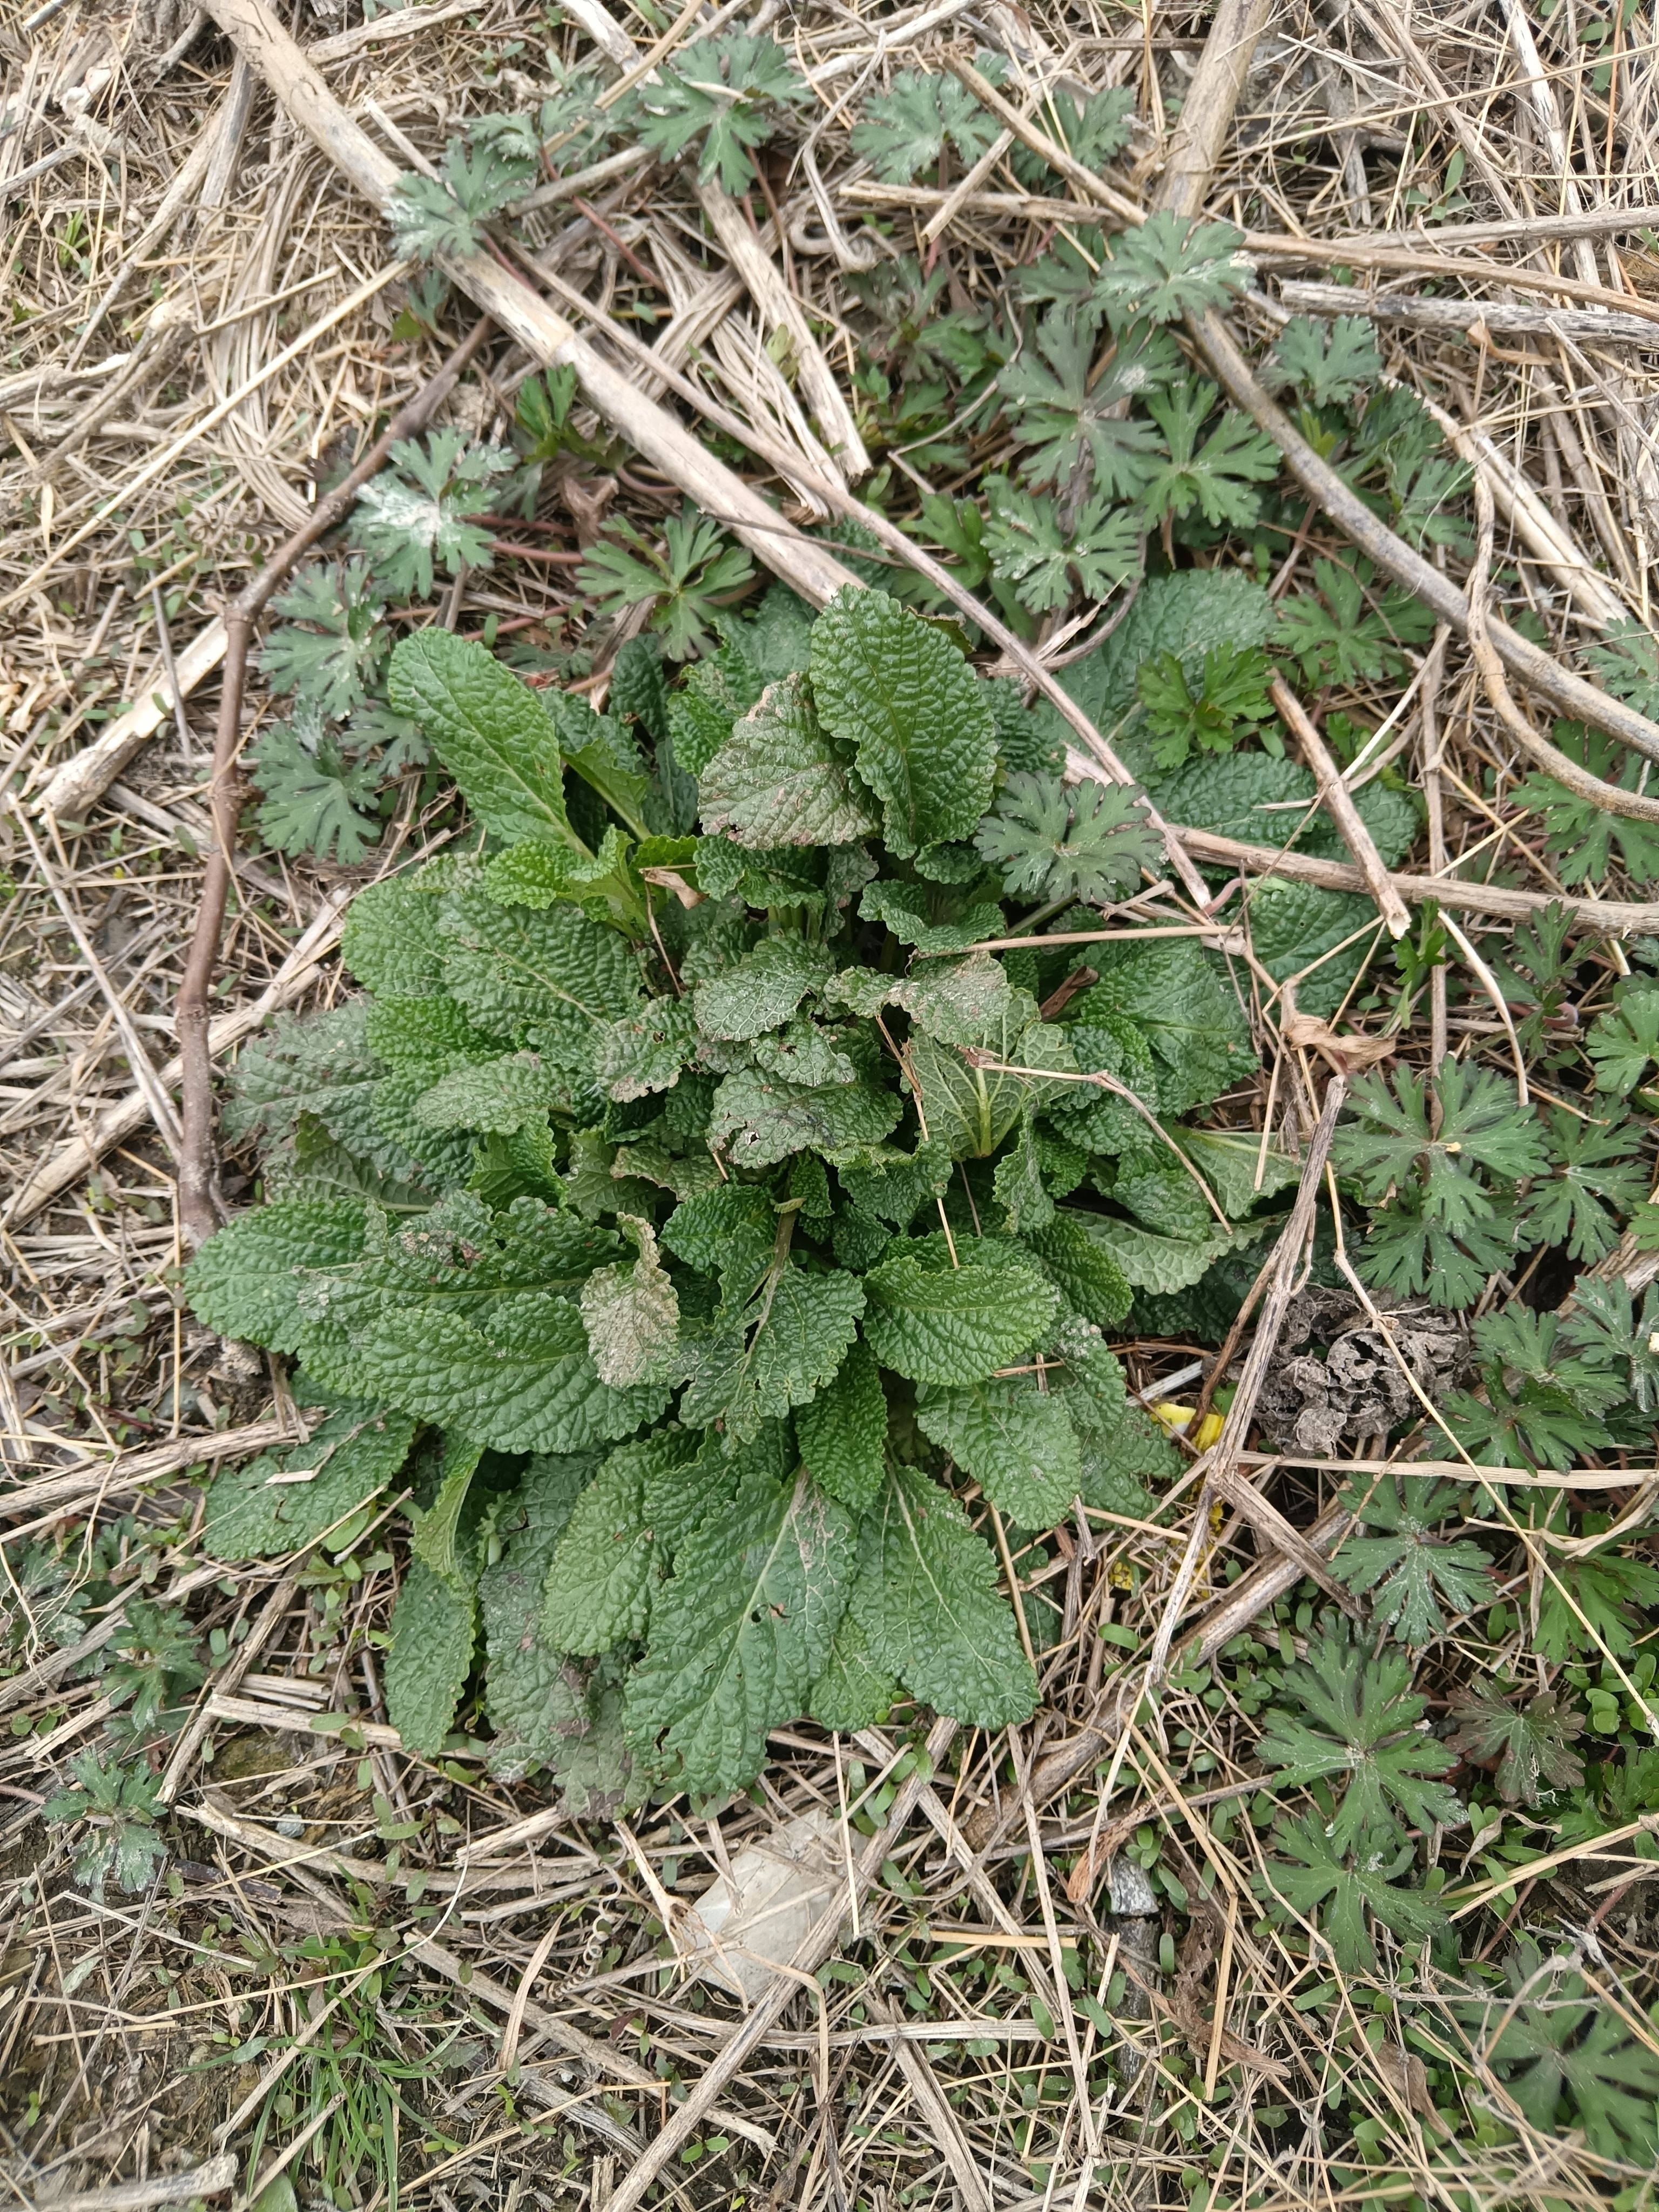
[1578, 780]
[1529, 664]
[1211, 99]
[1434, 668]
[199, 1206]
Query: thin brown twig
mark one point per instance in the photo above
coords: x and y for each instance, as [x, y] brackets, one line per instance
[199, 1205]
[1339, 805]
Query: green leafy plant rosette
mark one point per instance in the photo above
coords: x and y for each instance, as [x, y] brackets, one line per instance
[701, 1229]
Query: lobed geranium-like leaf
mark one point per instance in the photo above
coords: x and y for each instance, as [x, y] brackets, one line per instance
[1531, 1744]
[418, 514]
[1624, 1043]
[905, 129]
[314, 796]
[122, 1804]
[1360, 1727]
[730, 91]
[1344, 1892]
[1168, 268]
[1332, 362]
[1409, 1572]
[1048, 558]
[330, 652]
[1565, 2053]
[1086, 841]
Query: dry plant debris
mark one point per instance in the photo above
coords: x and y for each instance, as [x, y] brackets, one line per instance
[1257, 404]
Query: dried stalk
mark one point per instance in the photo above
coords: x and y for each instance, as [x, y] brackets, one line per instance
[1570, 695]
[1609, 797]
[1207, 110]
[1221, 1474]
[62, 1494]
[1503, 319]
[1616, 917]
[1339, 805]
[1523, 507]
[1040, 141]
[750, 261]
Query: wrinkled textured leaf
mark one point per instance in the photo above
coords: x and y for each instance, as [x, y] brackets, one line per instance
[852, 1691]
[494, 1096]
[901, 695]
[356, 1453]
[645, 1052]
[754, 1365]
[743, 1629]
[780, 779]
[244, 1280]
[763, 990]
[390, 940]
[842, 1432]
[759, 1119]
[926, 1600]
[730, 1231]
[490, 732]
[632, 1313]
[954, 1325]
[1016, 1441]
[1119, 1444]
[433, 1627]
[548, 981]
[1076, 1253]
[604, 1568]
[545, 1709]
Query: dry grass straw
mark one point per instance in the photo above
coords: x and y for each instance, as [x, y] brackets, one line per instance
[966, 2038]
